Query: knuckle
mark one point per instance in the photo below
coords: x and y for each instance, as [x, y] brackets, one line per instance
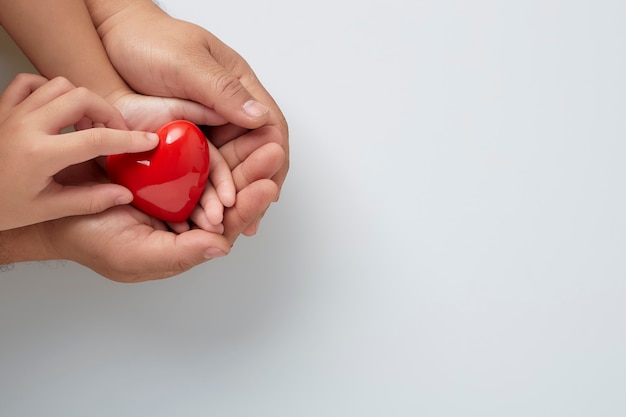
[61, 84]
[90, 206]
[95, 137]
[24, 78]
[81, 93]
[227, 85]
[177, 266]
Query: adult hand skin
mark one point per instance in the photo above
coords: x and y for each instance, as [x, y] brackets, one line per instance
[162, 56]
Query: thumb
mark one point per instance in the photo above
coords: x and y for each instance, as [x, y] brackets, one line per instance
[223, 91]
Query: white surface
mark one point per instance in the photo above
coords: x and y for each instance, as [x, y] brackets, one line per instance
[450, 241]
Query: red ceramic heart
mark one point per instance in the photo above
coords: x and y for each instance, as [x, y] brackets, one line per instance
[167, 181]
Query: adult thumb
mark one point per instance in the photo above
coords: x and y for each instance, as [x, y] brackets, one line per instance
[221, 90]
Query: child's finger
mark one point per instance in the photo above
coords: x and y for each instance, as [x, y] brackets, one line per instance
[19, 89]
[200, 219]
[211, 205]
[74, 105]
[81, 200]
[75, 147]
[46, 93]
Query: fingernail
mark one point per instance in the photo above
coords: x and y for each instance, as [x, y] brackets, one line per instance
[253, 108]
[152, 137]
[123, 199]
[212, 253]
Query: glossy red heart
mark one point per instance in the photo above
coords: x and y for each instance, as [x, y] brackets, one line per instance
[167, 181]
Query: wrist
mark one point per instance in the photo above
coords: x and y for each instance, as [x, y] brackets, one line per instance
[29, 243]
[106, 14]
[113, 95]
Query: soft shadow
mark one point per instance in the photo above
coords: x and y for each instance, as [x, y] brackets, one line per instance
[12, 59]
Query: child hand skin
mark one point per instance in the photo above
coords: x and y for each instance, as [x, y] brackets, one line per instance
[33, 111]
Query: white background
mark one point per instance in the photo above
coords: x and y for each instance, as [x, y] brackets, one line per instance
[450, 240]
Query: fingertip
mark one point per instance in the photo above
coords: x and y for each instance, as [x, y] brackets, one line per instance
[152, 138]
[140, 141]
[227, 197]
[212, 253]
[124, 199]
[214, 216]
[255, 109]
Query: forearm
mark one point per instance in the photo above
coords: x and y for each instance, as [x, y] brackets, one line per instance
[102, 11]
[24, 244]
[60, 39]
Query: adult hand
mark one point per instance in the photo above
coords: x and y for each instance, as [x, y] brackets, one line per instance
[33, 111]
[126, 245]
[253, 157]
[159, 55]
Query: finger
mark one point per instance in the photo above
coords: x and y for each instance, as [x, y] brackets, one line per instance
[75, 147]
[262, 163]
[221, 89]
[165, 254]
[180, 227]
[221, 178]
[44, 94]
[277, 120]
[251, 203]
[73, 106]
[22, 86]
[200, 219]
[253, 228]
[220, 135]
[212, 208]
[168, 254]
[132, 246]
[237, 150]
[63, 201]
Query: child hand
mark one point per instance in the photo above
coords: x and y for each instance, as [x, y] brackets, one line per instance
[33, 112]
